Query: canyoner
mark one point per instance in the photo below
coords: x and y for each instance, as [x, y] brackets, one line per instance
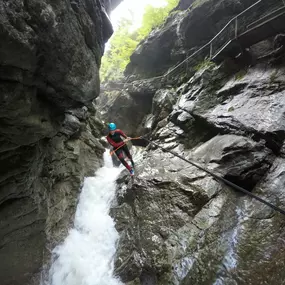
[118, 139]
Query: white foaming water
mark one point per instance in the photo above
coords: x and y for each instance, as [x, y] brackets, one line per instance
[87, 255]
[230, 259]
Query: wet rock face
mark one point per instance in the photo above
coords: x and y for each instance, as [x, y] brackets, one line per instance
[184, 4]
[253, 105]
[162, 104]
[127, 106]
[236, 158]
[50, 54]
[160, 201]
[124, 110]
[178, 225]
[55, 47]
[158, 51]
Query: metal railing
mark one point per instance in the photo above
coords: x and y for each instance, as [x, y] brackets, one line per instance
[235, 27]
[231, 31]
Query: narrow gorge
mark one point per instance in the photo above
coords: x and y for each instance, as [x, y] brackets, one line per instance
[208, 84]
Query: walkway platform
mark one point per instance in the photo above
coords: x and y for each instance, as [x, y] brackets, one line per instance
[264, 28]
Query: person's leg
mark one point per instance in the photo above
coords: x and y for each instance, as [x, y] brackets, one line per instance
[128, 154]
[120, 155]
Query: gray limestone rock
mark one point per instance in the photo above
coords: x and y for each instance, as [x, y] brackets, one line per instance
[50, 54]
[178, 225]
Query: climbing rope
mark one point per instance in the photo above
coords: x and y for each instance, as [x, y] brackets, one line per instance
[219, 178]
[125, 142]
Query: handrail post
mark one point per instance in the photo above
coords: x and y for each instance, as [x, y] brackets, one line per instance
[211, 49]
[187, 65]
[283, 2]
[236, 27]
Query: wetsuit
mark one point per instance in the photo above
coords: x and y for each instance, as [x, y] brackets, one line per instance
[116, 141]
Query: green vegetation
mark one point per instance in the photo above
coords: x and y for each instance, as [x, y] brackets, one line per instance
[240, 75]
[116, 58]
[273, 76]
[125, 40]
[204, 64]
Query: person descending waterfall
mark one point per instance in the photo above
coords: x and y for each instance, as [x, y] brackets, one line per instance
[114, 138]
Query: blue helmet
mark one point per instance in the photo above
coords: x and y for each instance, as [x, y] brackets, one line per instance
[112, 126]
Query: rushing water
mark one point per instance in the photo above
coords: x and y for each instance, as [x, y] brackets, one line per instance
[87, 255]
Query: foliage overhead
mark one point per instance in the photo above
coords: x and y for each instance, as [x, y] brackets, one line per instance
[125, 40]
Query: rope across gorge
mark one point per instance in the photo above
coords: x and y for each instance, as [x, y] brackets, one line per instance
[125, 142]
[219, 178]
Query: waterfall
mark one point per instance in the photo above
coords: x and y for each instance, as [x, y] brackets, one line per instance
[86, 257]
